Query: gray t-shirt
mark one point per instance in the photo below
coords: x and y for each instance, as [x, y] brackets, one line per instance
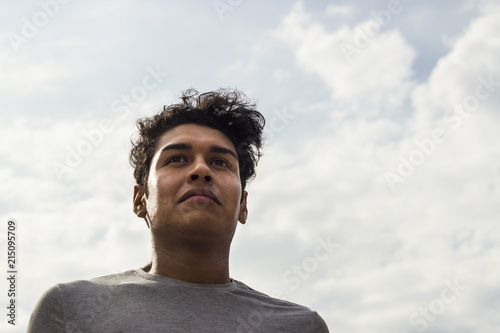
[135, 301]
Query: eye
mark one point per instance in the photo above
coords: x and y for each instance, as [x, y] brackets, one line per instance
[176, 159]
[220, 162]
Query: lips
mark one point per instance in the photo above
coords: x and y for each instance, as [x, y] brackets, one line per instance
[202, 192]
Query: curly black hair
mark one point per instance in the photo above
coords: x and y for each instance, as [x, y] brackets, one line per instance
[228, 111]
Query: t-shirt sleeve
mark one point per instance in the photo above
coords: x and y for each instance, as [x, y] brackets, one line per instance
[319, 325]
[48, 316]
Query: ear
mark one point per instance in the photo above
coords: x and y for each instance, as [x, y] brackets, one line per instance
[139, 201]
[243, 209]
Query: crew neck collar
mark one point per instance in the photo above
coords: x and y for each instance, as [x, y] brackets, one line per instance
[165, 279]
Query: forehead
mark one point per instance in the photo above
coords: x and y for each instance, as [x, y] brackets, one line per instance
[196, 135]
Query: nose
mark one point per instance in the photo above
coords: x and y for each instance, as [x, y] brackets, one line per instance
[200, 170]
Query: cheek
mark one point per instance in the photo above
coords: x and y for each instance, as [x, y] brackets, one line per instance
[159, 200]
[168, 191]
[165, 190]
[235, 191]
[157, 191]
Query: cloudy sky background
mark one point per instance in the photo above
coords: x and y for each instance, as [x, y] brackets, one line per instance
[382, 140]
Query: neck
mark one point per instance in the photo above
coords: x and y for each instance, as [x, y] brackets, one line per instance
[194, 263]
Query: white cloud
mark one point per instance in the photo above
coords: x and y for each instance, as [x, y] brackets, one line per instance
[334, 10]
[376, 71]
[456, 76]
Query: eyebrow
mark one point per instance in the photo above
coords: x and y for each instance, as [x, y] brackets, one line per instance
[187, 146]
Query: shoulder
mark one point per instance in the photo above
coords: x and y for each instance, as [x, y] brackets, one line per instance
[99, 288]
[275, 299]
[50, 298]
[56, 294]
[48, 312]
[59, 301]
[109, 279]
[284, 312]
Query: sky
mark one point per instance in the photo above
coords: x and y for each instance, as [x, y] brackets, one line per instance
[376, 202]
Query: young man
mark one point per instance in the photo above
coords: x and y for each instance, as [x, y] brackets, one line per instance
[191, 164]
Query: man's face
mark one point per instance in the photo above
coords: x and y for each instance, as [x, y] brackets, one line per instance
[194, 185]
